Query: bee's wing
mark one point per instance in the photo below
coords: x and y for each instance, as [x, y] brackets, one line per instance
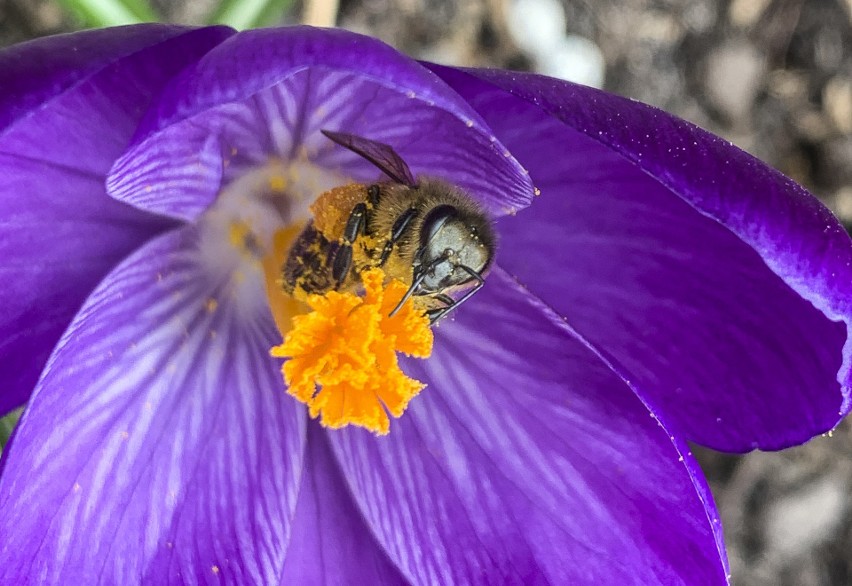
[378, 153]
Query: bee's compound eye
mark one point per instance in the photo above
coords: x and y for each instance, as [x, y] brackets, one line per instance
[433, 224]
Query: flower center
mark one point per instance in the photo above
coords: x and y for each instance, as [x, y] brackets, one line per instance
[340, 343]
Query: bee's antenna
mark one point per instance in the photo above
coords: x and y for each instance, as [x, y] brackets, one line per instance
[420, 274]
[435, 315]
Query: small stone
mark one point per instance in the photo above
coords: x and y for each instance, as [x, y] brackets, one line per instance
[537, 26]
[813, 126]
[797, 522]
[700, 16]
[789, 86]
[837, 101]
[735, 74]
[843, 204]
[836, 155]
[659, 27]
[575, 59]
[745, 13]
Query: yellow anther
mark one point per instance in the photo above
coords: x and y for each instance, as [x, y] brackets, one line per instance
[240, 235]
[277, 183]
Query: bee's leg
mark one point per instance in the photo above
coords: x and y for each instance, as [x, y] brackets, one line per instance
[420, 274]
[307, 265]
[436, 314]
[373, 193]
[448, 302]
[397, 230]
[444, 298]
[343, 258]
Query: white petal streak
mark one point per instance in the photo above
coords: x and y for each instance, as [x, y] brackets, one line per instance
[159, 444]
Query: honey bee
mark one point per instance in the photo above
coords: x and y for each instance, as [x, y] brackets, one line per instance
[425, 232]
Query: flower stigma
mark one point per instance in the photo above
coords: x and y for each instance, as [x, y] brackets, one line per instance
[342, 355]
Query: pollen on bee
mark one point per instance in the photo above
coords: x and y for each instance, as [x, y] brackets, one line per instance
[341, 357]
[283, 307]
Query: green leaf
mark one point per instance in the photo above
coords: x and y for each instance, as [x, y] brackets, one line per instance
[244, 14]
[7, 426]
[99, 13]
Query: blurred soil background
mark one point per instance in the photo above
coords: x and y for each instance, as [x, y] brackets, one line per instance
[773, 76]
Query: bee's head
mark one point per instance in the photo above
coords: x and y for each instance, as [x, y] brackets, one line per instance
[453, 243]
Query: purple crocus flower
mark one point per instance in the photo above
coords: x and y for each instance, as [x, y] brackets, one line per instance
[663, 286]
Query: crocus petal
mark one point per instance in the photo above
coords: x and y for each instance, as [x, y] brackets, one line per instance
[33, 73]
[526, 460]
[72, 110]
[267, 94]
[158, 446]
[720, 285]
[331, 544]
